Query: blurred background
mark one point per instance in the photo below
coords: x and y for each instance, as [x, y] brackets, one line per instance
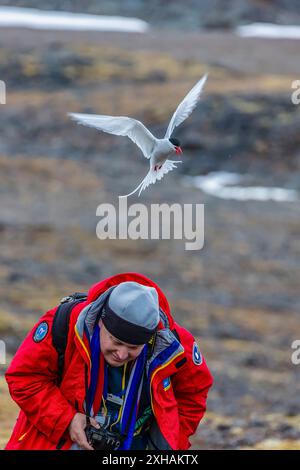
[239, 295]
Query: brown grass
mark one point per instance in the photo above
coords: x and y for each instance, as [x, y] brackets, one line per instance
[8, 413]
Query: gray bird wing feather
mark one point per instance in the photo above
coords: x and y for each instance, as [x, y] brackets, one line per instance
[153, 176]
[186, 107]
[120, 125]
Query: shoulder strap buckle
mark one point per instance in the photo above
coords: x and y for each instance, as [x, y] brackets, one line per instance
[68, 298]
[75, 296]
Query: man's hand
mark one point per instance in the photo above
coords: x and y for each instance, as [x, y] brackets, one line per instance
[76, 430]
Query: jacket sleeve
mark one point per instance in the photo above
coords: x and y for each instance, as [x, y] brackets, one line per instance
[31, 379]
[191, 385]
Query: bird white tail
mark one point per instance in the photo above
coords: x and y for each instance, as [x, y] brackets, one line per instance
[150, 178]
[135, 190]
[155, 175]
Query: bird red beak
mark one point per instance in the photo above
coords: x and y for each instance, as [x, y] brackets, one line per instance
[178, 150]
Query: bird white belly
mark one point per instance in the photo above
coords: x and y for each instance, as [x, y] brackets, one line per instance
[161, 153]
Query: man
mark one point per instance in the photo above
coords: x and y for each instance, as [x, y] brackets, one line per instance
[137, 375]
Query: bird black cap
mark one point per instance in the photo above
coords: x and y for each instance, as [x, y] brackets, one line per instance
[175, 141]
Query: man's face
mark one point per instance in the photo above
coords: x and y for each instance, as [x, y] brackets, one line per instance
[116, 352]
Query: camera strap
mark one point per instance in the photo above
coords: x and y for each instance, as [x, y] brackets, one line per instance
[133, 390]
[95, 389]
[132, 398]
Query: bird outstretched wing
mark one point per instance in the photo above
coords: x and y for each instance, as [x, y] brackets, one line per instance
[186, 107]
[153, 176]
[120, 125]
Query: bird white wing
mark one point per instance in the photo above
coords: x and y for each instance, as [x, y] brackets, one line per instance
[120, 125]
[153, 176]
[186, 106]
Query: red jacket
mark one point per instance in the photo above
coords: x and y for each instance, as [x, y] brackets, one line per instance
[47, 410]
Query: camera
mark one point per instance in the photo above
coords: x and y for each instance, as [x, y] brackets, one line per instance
[102, 439]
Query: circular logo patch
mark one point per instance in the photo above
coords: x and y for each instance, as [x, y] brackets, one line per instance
[197, 356]
[41, 332]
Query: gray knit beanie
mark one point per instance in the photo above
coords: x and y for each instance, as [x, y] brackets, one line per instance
[131, 312]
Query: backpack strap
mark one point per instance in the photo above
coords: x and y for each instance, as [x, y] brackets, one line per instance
[60, 327]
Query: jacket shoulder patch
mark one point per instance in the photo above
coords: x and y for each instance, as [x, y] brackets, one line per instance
[197, 356]
[167, 383]
[41, 332]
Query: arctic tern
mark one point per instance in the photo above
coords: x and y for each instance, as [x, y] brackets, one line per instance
[155, 150]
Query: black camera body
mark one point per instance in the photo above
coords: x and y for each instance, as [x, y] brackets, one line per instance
[102, 439]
